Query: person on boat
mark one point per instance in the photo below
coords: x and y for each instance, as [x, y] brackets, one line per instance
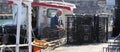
[56, 23]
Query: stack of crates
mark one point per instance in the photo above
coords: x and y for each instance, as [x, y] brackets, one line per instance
[86, 28]
[101, 29]
[83, 28]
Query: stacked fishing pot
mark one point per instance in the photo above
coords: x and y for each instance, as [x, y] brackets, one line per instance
[86, 29]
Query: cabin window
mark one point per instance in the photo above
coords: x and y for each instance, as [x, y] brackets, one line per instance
[6, 20]
[5, 8]
[51, 12]
[5, 13]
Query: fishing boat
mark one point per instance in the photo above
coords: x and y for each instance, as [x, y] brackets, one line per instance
[31, 20]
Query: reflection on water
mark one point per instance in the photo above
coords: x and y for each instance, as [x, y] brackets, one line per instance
[6, 21]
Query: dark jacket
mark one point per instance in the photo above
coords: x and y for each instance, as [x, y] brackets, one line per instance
[54, 22]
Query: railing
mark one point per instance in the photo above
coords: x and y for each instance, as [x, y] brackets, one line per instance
[11, 48]
[113, 46]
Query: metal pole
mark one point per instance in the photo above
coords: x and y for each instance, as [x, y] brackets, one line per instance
[18, 25]
[1, 49]
[29, 27]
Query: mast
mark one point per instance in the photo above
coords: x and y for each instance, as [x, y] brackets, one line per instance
[29, 30]
[29, 26]
[19, 3]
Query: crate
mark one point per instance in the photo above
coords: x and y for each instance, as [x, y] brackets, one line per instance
[80, 28]
[87, 28]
